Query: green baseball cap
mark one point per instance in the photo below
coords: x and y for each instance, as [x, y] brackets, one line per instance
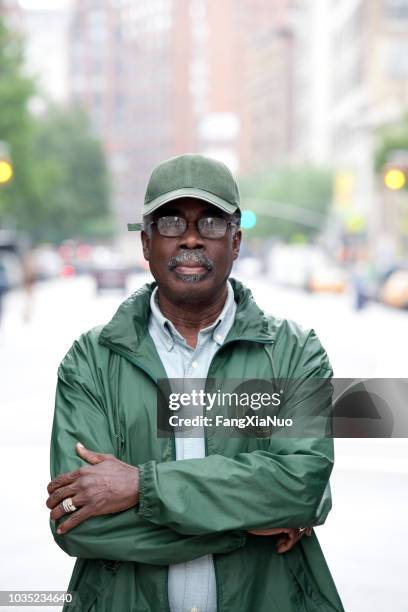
[193, 176]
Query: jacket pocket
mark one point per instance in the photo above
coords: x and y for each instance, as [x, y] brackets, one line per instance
[89, 580]
[309, 597]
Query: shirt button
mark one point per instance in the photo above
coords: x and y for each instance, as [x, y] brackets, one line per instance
[195, 365]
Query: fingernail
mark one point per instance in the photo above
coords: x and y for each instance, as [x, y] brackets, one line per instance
[80, 445]
[59, 531]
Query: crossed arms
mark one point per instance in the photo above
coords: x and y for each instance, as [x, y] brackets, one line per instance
[164, 513]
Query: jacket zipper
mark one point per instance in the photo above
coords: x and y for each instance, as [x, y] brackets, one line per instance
[126, 355]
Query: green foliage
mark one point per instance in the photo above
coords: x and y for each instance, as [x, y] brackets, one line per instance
[78, 198]
[289, 201]
[60, 187]
[15, 122]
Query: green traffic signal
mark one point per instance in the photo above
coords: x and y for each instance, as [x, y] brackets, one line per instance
[248, 219]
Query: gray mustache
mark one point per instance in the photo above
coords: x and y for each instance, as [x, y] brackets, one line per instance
[190, 257]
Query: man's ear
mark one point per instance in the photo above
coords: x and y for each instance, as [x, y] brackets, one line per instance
[145, 245]
[236, 243]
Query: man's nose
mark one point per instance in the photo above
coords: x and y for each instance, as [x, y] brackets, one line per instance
[191, 238]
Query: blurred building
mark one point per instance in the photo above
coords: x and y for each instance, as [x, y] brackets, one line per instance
[44, 33]
[46, 51]
[351, 78]
[11, 11]
[129, 68]
[267, 77]
[170, 76]
[216, 72]
[311, 80]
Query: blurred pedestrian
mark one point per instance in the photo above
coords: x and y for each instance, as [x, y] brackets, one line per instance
[29, 279]
[3, 286]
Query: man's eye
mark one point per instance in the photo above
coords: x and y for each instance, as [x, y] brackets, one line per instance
[170, 221]
[209, 222]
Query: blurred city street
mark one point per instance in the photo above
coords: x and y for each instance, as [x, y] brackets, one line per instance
[364, 539]
[306, 104]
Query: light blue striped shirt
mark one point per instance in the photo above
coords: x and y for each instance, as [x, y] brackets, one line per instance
[191, 585]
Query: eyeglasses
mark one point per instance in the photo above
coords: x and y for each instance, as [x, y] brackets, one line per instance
[208, 227]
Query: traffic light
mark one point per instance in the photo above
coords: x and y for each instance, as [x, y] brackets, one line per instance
[395, 178]
[248, 219]
[6, 171]
[6, 167]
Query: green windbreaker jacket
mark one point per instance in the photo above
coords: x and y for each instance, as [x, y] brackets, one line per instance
[106, 398]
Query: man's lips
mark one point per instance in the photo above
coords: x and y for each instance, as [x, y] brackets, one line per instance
[191, 263]
[189, 269]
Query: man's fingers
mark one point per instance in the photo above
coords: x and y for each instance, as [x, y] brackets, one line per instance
[58, 512]
[288, 541]
[59, 495]
[61, 481]
[269, 532]
[88, 455]
[65, 479]
[75, 519]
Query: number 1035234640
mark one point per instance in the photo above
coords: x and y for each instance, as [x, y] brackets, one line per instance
[35, 598]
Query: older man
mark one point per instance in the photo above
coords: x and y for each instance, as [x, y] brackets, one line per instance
[205, 522]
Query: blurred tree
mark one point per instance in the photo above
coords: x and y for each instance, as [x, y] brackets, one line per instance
[290, 202]
[391, 139]
[79, 202]
[16, 125]
[60, 188]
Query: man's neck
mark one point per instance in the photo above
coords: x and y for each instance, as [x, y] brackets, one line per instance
[189, 318]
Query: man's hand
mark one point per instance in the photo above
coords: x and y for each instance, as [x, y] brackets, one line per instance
[106, 486]
[289, 538]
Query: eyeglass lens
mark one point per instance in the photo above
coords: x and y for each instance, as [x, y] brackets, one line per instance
[208, 227]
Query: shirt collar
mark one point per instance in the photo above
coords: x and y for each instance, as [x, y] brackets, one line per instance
[219, 328]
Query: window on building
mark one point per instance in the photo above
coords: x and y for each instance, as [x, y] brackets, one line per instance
[396, 9]
[97, 26]
[396, 59]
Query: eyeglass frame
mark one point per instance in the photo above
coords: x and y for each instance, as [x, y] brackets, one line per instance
[144, 226]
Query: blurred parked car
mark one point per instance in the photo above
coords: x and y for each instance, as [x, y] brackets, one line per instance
[11, 262]
[248, 266]
[76, 258]
[306, 266]
[109, 270]
[110, 277]
[394, 292]
[327, 278]
[290, 264]
[48, 262]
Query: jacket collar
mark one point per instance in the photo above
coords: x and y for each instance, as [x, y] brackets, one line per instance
[127, 332]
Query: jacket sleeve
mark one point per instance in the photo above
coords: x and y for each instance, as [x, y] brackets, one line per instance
[285, 485]
[125, 536]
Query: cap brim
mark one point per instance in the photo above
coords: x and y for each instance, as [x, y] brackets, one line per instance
[189, 192]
